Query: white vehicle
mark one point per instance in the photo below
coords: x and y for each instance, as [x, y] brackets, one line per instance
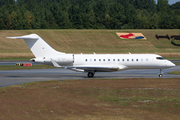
[92, 63]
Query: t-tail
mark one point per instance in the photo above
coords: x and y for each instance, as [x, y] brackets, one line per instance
[38, 46]
[44, 53]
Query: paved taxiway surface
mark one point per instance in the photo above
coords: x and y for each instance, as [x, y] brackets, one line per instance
[28, 61]
[12, 77]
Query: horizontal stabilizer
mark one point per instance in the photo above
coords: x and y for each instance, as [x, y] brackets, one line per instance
[26, 37]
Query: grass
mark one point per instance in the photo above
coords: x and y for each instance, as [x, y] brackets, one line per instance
[89, 41]
[143, 98]
[123, 99]
[175, 72]
[177, 63]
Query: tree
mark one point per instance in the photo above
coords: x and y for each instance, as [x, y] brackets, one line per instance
[7, 20]
[6, 2]
[64, 22]
[91, 20]
[116, 16]
[162, 5]
[164, 21]
[29, 17]
[154, 21]
[175, 6]
[100, 12]
[2, 25]
[13, 20]
[96, 14]
[75, 17]
[149, 5]
[130, 14]
[64, 5]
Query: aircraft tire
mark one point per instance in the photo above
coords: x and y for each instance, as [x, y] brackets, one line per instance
[90, 74]
[160, 75]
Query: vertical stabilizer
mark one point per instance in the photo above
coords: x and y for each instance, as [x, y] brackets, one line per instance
[38, 46]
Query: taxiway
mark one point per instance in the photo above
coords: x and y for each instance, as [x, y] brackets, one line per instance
[13, 77]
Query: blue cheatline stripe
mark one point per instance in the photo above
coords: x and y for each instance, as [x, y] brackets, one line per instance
[139, 37]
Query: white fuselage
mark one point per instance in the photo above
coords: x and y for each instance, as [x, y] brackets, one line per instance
[122, 61]
[131, 61]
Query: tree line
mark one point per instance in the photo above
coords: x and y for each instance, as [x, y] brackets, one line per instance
[88, 14]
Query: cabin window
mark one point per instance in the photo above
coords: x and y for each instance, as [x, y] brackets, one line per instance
[99, 59]
[114, 60]
[118, 59]
[94, 59]
[146, 59]
[136, 59]
[104, 60]
[160, 58]
[108, 59]
[141, 59]
[122, 59]
[90, 60]
[132, 59]
[127, 59]
[86, 60]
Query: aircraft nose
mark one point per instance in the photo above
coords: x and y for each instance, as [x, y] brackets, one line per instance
[170, 64]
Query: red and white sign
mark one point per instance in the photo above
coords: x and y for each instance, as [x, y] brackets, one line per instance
[131, 36]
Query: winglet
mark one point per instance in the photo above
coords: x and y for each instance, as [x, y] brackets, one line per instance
[55, 63]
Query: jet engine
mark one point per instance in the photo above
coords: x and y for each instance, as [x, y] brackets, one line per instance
[63, 59]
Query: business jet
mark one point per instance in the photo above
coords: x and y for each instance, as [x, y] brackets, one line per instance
[92, 63]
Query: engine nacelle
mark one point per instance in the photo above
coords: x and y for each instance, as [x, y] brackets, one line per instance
[63, 59]
[38, 60]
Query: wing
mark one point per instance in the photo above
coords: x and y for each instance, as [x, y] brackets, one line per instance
[88, 68]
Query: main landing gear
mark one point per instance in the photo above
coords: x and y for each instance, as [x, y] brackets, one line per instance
[90, 74]
[160, 74]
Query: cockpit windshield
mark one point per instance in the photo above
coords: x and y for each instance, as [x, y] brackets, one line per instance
[160, 58]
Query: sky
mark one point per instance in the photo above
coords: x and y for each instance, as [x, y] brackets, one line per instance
[171, 1]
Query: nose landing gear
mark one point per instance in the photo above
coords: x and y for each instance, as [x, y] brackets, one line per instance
[160, 74]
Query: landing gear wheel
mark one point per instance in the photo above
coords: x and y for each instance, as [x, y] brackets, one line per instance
[90, 74]
[160, 75]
